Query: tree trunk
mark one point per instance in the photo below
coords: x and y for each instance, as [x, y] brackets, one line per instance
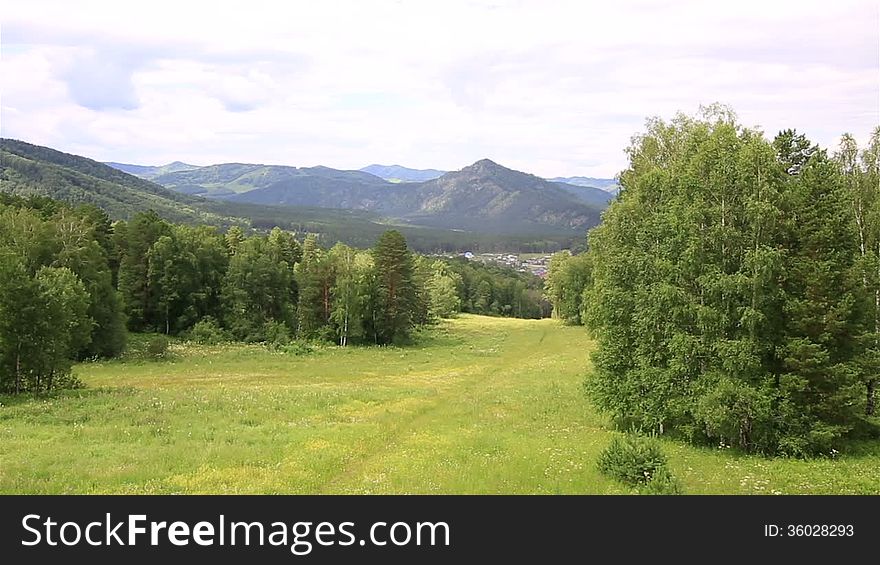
[18, 369]
[870, 404]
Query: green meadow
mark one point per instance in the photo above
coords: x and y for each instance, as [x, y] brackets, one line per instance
[477, 405]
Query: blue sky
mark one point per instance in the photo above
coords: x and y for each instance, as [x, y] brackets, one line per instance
[552, 88]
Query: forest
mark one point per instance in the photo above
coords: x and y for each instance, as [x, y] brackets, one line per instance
[73, 284]
[734, 288]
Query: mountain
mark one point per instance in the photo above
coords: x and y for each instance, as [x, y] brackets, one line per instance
[484, 197]
[28, 170]
[149, 172]
[588, 194]
[491, 198]
[32, 170]
[228, 179]
[396, 173]
[609, 185]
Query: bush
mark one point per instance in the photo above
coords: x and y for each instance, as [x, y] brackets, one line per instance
[663, 482]
[277, 334]
[157, 347]
[637, 461]
[297, 347]
[207, 332]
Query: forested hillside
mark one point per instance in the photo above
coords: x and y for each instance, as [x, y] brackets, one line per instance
[28, 170]
[31, 170]
[71, 280]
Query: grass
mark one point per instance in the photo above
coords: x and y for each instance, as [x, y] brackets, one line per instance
[479, 405]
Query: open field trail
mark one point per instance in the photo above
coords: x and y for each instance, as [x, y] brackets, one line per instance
[479, 405]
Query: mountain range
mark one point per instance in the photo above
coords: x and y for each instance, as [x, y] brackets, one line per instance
[605, 184]
[32, 170]
[149, 172]
[396, 173]
[483, 198]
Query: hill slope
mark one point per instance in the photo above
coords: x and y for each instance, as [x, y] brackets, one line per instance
[488, 197]
[484, 197]
[228, 179]
[150, 172]
[588, 194]
[605, 184]
[396, 173]
[28, 170]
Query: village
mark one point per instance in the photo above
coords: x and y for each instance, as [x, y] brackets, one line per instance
[534, 263]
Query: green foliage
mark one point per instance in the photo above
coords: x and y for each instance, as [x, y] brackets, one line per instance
[157, 347]
[638, 461]
[57, 300]
[31, 170]
[395, 305]
[723, 295]
[297, 347]
[497, 291]
[207, 332]
[315, 278]
[444, 301]
[567, 280]
[663, 482]
[351, 291]
[277, 334]
[192, 281]
[256, 290]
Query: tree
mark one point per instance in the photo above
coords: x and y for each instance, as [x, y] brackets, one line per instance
[567, 277]
[257, 290]
[64, 325]
[233, 238]
[19, 321]
[443, 291]
[793, 150]
[44, 321]
[133, 243]
[421, 308]
[186, 271]
[861, 179]
[721, 297]
[315, 279]
[85, 242]
[350, 291]
[396, 293]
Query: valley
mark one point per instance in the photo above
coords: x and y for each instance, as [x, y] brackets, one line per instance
[480, 405]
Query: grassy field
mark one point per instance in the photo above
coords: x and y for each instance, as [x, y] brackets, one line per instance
[480, 405]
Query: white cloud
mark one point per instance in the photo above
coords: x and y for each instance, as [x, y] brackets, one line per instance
[553, 88]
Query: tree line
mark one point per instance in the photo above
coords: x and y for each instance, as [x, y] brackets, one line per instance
[73, 283]
[734, 287]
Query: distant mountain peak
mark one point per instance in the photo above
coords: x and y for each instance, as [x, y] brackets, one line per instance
[485, 166]
[398, 173]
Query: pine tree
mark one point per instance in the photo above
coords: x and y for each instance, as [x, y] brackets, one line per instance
[396, 293]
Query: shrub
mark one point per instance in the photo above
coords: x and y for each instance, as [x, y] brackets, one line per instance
[207, 332]
[277, 334]
[663, 482]
[157, 347]
[297, 347]
[634, 460]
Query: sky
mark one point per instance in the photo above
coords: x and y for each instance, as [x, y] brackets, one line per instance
[547, 87]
